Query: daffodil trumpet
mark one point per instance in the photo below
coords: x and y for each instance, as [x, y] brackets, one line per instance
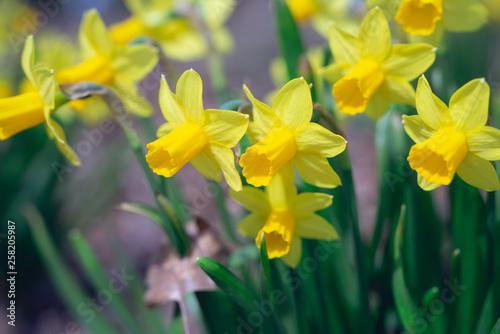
[192, 134]
[369, 73]
[283, 136]
[455, 139]
[283, 217]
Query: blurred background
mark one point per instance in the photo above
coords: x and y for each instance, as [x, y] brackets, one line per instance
[86, 198]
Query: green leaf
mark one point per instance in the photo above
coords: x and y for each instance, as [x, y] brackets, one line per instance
[96, 274]
[405, 305]
[64, 282]
[141, 209]
[232, 105]
[496, 328]
[288, 36]
[227, 282]
[265, 263]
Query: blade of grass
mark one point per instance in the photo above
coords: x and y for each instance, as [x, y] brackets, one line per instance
[65, 284]
[96, 274]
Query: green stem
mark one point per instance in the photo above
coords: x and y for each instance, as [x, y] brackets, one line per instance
[220, 202]
[218, 77]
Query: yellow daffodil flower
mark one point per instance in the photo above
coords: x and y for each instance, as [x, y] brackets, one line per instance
[284, 218]
[320, 12]
[174, 28]
[284, 137]
[192, 134]
[27, 110]
[454, 139]
[432, 17]
[119, 68]
[369, 73]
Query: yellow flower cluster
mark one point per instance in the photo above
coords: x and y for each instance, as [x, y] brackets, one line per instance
[368, 73]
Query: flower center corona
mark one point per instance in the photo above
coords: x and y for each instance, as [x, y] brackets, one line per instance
[278, 231]
[437, 158]
[169, 153]
[97, 69]
[419, 17]
[303, 9]
[124, 32]
[263, 160]
[354, 91]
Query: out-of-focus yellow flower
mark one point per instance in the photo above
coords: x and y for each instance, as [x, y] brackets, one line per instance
[284, 136]
[455, 139]
[369, 73]
[320, 12]
[192, 134]
[284, 217]
[174, 27]
[119, 68]
[27, 110]
[279, 73]
[494, 10]
[432, 17]
[5, 88]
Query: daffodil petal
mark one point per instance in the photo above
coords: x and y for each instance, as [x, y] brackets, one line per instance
[189, 93]
[206, 166]
[374, 35]
[306, 203]
[292, 258]
[28, 59]
[281, 191]
[343, 45]
[430, 108]
[251, 225]
[433, 39]
[398, 90]
[135, 62]
[263, 115]
[427, 186]
[315, 227]
[316, 170]
[180, 40]
[57, 133]
[253, 199]
[225, 159]
[377, 106]
[408, 61]
[134, 102]
[478, 172]
[485, 143]
[336, 71]
[94, 37]
[313, 137]
[46, 84]
[417, 129]
[169, 105]
[224, 126]
[293, 104]
[469, 105]
[255, 133]
[164, 129]
[462, 16]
